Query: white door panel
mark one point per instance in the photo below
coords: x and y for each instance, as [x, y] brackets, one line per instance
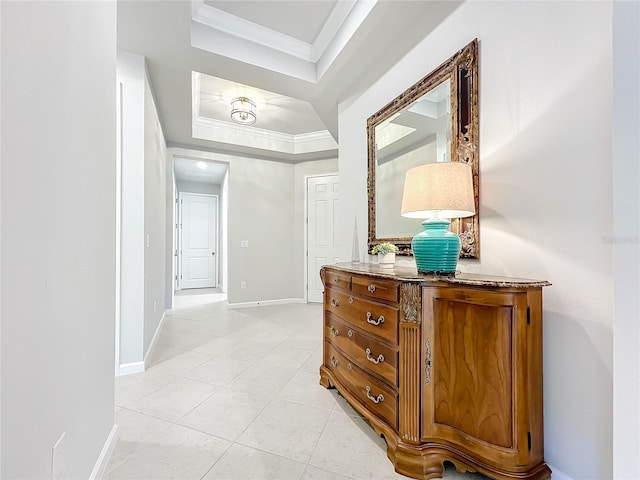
[198, 221]
[322, 236]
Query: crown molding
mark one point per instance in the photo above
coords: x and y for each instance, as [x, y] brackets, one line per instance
[222, 33]
[239, 27]
[227, 132]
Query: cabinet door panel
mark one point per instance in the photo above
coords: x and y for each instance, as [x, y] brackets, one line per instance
[475, 372]
[472, 377]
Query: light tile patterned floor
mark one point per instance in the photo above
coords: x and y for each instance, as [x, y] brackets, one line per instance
[234, 394]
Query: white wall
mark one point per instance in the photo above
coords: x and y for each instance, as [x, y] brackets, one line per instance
[261, 206]
[389, 185]
[170, 233]
[155, 217]
[261, 210]
[224, 233]
[199, 187]
[546, 195]
[131, 82]
[0, 254]
[58, 234]
[302, 171]
[143, 215]
[625, 239]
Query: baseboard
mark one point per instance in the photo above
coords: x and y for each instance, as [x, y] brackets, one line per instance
[139, 367]
[264, 303]
[105, 455]
[154, 340]
[130, 368]
[558, 474]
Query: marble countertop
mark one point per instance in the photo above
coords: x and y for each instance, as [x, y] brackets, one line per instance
[410, 274]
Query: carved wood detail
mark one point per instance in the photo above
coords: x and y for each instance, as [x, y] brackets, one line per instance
[410, 302]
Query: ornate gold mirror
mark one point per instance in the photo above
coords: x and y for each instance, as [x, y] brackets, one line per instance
[434, 120]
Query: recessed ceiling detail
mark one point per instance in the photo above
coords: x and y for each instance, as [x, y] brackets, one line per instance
[261, 42]
[285, 124]
[176, 38]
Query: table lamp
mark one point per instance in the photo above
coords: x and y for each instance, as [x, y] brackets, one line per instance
[437, 192]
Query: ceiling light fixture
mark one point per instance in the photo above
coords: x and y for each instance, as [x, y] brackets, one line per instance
[243, 111]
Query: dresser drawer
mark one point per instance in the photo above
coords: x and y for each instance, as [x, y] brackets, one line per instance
[337, 279]
[376, 288]
[374, 356]
[376, 396]
[377, 318]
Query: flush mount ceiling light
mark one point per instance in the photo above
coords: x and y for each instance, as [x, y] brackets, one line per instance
[243, 111]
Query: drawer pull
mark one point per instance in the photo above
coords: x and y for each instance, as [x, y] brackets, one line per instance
[371, 288]
[335, 303]
[350, 300]
[374, 360]
[374, 322]
[334, 362]
[336, 279]
[335, 332]
[350, 333]
[349, 367]
[378, 399]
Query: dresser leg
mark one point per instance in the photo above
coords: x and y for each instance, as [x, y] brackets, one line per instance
[424, 467]
[324, 378]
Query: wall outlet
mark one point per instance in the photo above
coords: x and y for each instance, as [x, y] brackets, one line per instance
[148, 243]
[244, 243]
[58, 458]
[243, 285]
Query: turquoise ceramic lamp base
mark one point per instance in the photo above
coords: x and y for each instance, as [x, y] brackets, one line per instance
[436, 249]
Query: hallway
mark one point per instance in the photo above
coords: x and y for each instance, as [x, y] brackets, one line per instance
[234, 394]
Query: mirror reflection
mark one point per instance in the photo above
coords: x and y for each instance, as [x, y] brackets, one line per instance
[434, 120]
[416, 135]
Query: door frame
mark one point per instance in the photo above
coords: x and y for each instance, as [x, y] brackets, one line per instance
[216, 237]
[306, 229]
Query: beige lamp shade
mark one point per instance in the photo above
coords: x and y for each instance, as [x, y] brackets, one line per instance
[443, 189]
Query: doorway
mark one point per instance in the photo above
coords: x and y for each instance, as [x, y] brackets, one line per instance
[197, 236]
[323, 201]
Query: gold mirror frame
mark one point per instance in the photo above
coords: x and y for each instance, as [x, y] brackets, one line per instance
[462, 71]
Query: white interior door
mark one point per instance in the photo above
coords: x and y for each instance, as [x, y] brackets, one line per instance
[198, 245]
[323, 199]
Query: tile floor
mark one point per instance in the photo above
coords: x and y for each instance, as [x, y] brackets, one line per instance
[234, 394]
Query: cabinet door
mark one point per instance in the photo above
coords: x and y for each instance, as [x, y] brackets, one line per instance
[475, 395]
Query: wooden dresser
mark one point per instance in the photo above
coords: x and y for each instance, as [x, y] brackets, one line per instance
[444, 368]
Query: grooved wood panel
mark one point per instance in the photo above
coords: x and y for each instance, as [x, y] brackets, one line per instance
[472, 369]
[410, 382]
